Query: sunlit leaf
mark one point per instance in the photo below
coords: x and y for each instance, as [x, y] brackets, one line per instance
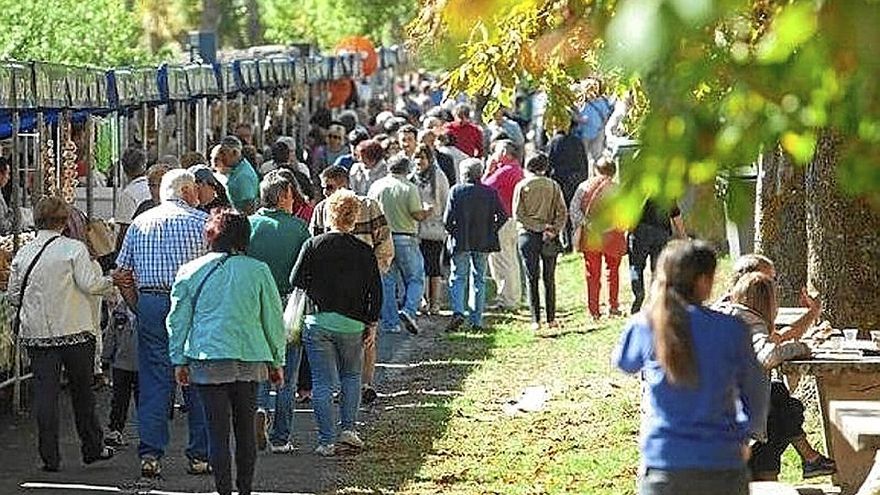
[795, 25]
[800, 146]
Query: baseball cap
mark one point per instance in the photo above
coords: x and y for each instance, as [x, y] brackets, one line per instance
[231, 142]
[204, 175]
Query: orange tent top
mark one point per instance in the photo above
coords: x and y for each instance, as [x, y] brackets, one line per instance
[363, 45]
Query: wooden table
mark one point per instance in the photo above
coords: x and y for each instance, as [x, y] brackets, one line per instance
[842, 379]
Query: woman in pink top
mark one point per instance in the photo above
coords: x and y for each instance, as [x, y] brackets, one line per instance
[611, 245]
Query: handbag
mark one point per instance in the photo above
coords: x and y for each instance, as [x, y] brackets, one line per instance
[295, 315]
[16, 323]
[551, 247]
[100, 238]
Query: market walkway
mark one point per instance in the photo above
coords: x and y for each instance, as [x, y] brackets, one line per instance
[302, 472]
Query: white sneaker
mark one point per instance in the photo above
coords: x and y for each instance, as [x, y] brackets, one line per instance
[351, 438]
[286, 448]
[326, 450]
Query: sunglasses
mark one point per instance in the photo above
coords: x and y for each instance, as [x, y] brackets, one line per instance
[334, 136]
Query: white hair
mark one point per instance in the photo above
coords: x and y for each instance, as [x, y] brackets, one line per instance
[173, 183]
[470, 170]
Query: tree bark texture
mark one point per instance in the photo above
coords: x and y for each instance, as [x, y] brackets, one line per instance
[843, 236]
[781, 222]
[210, 18]
[254, 23]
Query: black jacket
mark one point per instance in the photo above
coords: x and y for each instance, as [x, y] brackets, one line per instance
[339, 273]
[473, 217]
[567, 156]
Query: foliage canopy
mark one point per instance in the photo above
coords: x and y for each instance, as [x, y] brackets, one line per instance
[725, 79]
[97, 32]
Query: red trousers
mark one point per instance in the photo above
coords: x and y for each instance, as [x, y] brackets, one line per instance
[593, 271]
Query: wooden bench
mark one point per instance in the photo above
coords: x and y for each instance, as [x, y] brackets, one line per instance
[858, 421]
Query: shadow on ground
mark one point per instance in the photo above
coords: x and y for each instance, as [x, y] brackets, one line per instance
[416, 408]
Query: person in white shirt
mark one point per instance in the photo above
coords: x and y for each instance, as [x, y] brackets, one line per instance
[134, 164]
[54, 284]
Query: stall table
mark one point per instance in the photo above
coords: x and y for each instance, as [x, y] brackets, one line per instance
[841, 377]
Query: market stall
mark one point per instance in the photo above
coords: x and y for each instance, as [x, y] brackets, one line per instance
[64, 128]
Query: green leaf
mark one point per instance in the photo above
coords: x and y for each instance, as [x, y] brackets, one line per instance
[800, 146]
[796, 24]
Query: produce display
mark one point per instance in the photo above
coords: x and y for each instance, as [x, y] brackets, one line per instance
[50, 176]
[68, 168]
[7, 251]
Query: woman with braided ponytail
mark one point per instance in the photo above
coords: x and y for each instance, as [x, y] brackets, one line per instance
[704, 394]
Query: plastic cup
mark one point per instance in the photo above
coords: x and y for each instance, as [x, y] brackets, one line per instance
[851, 333]
[835, 343]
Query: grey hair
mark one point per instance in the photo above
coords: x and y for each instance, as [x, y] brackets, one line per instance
[509, 146]
[170, 160]
[470, 170]
[272, 187]
[173, 183]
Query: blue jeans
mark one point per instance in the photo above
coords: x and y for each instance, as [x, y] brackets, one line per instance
[410, 265]
[468, 265]
[156, 385]
[331, 353]
[283, 421]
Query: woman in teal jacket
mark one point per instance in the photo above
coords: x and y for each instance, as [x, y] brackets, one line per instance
[225, 336]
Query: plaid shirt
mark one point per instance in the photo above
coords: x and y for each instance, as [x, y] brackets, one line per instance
[370, 227]
[160, 240]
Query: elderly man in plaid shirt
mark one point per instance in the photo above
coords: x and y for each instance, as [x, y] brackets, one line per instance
[156, 244]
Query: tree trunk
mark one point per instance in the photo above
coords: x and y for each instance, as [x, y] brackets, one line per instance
[781, 222]
[254, 23]
[210, 18]
[844, 245]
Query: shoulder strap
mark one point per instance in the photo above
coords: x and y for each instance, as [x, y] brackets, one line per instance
[205, 279]
[589, 199]
[24, 281]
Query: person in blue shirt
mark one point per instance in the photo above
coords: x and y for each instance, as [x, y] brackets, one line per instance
[704, 392]
[592, 117]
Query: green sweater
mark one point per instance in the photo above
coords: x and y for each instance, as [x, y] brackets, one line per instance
[237, 316]
[276, 239]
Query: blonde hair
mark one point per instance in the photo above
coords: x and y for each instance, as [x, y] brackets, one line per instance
[343, 208]
[756, 291]
[51, 213]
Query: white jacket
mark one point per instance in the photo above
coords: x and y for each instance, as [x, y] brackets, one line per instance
[62, 290]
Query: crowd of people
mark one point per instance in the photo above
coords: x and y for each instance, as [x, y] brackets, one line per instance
[379, 220]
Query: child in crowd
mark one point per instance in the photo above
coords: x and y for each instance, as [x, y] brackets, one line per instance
[120, 350]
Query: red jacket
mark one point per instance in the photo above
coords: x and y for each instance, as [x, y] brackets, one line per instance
[504, 180]
[468, 137]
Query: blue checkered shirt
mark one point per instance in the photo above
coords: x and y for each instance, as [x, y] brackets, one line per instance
[160, 240]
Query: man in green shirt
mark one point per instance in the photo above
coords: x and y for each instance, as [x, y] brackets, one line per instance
[243, 183]
[276, 239]
[403, 209]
